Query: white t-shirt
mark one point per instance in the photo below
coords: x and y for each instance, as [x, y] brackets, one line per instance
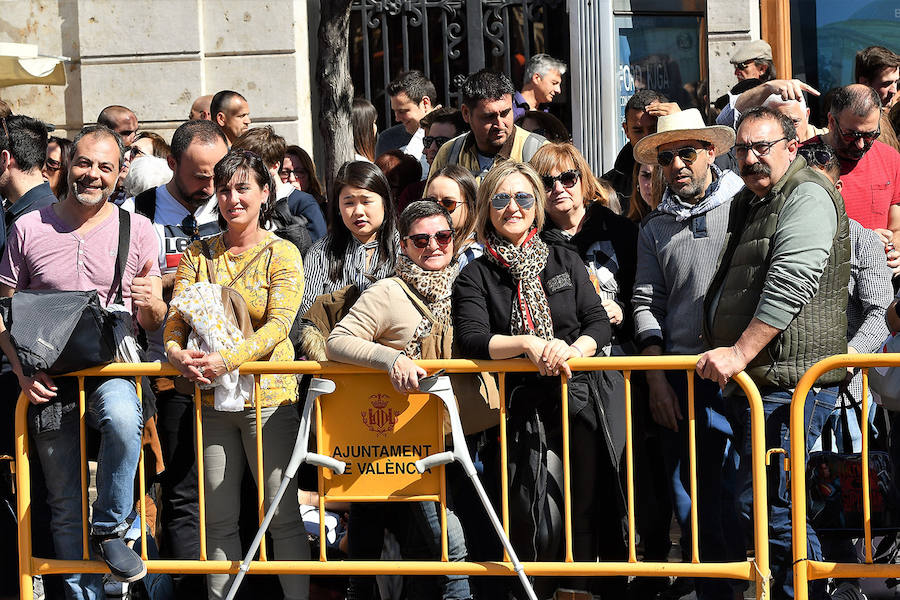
[172, 243]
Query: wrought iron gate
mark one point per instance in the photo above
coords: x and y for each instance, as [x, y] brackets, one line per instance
[447, 40]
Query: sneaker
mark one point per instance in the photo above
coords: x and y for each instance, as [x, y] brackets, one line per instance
[124, 564]
[848, 591]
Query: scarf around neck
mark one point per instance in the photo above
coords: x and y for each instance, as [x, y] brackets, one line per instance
[724, 186]
[435, 287]
[530, 311]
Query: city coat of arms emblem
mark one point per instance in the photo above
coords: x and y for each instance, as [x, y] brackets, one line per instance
[380, 417]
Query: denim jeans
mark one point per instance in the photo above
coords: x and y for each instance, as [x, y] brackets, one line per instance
[776, 407]
[719, 536]
[417, 526]
[114, 410]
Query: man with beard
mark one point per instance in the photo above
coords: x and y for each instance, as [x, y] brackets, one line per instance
[870, 169]
[677, 250]
[73, 245]
[776, 306]
[487, 108]
[182, 211]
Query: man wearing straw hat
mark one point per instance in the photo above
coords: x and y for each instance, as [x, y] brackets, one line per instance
[777, 305]
[677, 251]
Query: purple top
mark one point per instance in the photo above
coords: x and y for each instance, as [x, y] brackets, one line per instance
[43, 253]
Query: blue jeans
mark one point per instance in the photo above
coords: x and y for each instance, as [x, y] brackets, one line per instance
[776, 407]
[719, 537]
[114, 410]
[417, 526]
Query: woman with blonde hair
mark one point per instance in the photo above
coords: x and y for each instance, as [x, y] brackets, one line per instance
[523, 297]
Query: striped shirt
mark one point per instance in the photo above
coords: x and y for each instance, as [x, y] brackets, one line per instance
[317, 268]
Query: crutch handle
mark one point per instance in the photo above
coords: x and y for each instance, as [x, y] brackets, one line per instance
[321, 460]
[435, 460]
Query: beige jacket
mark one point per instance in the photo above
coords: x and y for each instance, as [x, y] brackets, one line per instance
[377, 329]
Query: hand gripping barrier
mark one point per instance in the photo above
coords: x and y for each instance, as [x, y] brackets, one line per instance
[441, 388]
[362, 380]
[806, 570]
[299, 456]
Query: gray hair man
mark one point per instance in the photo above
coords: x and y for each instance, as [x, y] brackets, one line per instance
[677, 250]
[777, 305]
[540, 84]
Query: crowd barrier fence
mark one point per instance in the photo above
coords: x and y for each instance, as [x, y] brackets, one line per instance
[755, 569]
[805, 569]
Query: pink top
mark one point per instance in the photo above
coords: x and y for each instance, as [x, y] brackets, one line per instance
[43, 253]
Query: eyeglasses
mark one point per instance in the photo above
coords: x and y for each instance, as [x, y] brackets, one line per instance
[286, 174]
[428, 140]
[421, 240]
[190, 227]
[524, 200]
[52, 165]
[816, 155]
[850, 137]
[760, 149]
[566, 178]
[448, 203]
[743, 66]
[688, 155]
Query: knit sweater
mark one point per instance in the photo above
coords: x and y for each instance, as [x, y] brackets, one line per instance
[676, 262]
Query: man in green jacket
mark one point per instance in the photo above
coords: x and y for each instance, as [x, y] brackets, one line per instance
[777, 305]
[487, 108]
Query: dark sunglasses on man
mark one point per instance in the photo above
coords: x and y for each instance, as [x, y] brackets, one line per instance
[567, 178]
[817, 154]
[688, 155]
[448, 203]
[421, 240]
[428, 140]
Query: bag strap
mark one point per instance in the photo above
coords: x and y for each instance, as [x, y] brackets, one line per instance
[211, 272]
[415, 300]
[122, 252]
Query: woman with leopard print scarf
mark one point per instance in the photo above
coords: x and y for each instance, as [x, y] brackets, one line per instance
[395, 321]
[525, 298]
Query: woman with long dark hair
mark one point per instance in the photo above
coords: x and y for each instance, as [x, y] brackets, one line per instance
[361, 246]
[362, 119]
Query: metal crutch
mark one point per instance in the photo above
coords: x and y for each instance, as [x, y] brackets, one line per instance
[300, 455]
[441, 387]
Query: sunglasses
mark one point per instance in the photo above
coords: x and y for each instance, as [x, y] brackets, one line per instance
[448, 203]
[743, 66]
[428, 140]
[566, 178]
[850, 137]
[286, 174]
[816, 156]
[190, 227]
[52, 165]
[688, 155]
[421, 240]
[524, 200]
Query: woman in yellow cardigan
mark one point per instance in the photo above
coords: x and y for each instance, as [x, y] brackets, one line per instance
[269, 274]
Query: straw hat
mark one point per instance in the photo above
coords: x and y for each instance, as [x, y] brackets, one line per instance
[684, 125]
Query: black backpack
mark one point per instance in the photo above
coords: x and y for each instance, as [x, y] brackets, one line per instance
[290, 227]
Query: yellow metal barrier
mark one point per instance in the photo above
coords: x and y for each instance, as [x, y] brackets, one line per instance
[806, 570]
[752, 570]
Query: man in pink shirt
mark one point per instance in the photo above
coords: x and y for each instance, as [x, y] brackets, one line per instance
[870, 169]
[72, 245]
